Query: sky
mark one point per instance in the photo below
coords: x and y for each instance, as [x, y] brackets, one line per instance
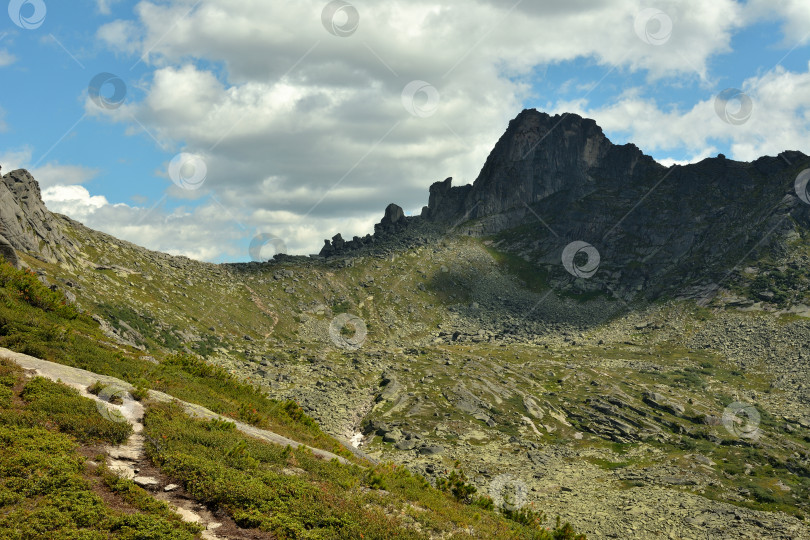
[228, 131]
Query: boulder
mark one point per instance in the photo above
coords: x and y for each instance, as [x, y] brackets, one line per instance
[393, 215]
[431, 450]
[146, 482]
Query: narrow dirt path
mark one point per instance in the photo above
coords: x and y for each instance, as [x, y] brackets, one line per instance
[129, 459]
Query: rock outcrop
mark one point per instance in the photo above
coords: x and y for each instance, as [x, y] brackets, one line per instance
[392, 222]
[554, 180]
[26, 225]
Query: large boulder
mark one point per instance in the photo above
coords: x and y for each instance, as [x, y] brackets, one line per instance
[393, 214]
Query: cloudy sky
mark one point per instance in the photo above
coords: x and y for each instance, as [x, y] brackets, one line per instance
[194, 127]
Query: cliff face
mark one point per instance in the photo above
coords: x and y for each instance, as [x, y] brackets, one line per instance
[538, 157]
[554, 180]
[26, 225]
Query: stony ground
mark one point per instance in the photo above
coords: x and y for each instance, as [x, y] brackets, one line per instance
[668, 420]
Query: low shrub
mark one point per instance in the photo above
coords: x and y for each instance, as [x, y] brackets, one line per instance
[65, 408]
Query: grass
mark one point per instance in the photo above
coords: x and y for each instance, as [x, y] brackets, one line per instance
[63, 407]
[35, 324]
[261, 486]
[534, 277]
[293, 494]
[45, 490]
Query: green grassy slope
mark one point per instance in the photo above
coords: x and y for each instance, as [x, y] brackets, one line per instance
[41, 423]
[47, 489]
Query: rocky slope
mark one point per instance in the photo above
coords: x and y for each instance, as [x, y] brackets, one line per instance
[460, 335]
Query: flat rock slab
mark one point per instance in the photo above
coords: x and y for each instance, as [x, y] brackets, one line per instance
[146, 482]
[81, 379]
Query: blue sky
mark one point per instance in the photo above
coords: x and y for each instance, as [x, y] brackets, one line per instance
[296, 118]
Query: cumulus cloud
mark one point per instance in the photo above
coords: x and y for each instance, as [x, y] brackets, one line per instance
[51, 174]
[15, 159]
[306, 124]
[204, 232]
[309, 134]
[794, 15]
[122, 36]
[74, 201]
[779, 119]
[55, 174]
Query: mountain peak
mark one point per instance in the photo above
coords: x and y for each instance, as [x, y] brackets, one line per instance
[553, 180]
[26, 225]
[537, 157]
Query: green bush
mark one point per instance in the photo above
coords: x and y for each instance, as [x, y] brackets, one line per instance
[96, 388]
[64, 407]
[139, 393]
[25, 285]
[44, 491]
[79, 342]
[251, 481]
[456, 484]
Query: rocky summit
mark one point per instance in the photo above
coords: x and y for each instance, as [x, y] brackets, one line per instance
[582, 332]
[554, 180]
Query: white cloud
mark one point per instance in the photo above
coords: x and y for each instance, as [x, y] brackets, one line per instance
[779, 120]
[794, 15]
[15, 159]
[53, 174]
[104, 6]
[6, 58]
[50, 174]
[299, 116]
[305, 133]
[119, 35]
[204, 232]
[74, 201]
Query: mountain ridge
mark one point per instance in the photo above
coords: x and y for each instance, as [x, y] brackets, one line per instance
[441, 345]
[562, 176]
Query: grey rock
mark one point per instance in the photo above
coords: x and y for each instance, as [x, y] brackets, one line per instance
[485, 418]
[26, 224]
[405, 444]
[393, 215]
[146, 482]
